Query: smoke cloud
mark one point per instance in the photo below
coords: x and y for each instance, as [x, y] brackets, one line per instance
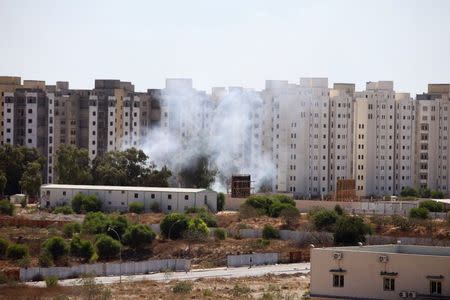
[225, 128]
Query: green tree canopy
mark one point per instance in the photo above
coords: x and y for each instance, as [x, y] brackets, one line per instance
[31, 179]
[138, 236]
[72, 165]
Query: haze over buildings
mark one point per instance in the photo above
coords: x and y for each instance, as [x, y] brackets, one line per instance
[299, 138]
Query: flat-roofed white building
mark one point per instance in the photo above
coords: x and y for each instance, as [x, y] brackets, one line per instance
[118, 198]
[380, 272]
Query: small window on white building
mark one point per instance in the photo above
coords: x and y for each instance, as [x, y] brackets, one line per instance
[435, 287]
[389, 284]
[169, 196]
[136, 195]
[169, 207]
[64, 193]
[338, 280]
[153, 196]
[186, 197]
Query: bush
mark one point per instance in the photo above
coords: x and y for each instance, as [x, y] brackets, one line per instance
[276, 208]
[119, 224]
[419, 213]
[325, 219]
[16, 251]
[95, 223]
[283, 199]
[408, 192]
[174, 225]
[136, 207]
[65, 210]
[247, 211]
[138, 236]
[6, 207]
[154, 207]
[220, 201]
[86, 203]
[339, 210]
[81, 248]
[56, 247]
[107, 247]
[45, 259]
[403, 223]
[220, 234]
[350, 230]
[195, 210]
[270, 232]
[182, 287]
[23, 202]
[432, 206]
[3, 246]
[197, 230]
[260, 203]
[51, 281]
[290, 216]
[209, 219]
[436, 194]
[424, 193]
[70, 228]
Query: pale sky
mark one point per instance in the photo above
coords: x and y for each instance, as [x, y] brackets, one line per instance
[228, 42]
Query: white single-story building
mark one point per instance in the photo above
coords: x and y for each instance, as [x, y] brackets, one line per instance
[118, 198]
[380, 272]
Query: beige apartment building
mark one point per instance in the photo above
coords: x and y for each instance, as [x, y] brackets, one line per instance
[380, 272]
[8, 84]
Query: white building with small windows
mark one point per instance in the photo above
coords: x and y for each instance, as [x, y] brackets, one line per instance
[380, 272]
[118, 198]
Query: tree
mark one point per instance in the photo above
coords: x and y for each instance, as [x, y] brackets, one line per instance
[350, 230]
[6, 207]
[270, 232]
[408, 192]
[56, 247]
[95, 223]
[432, 206]
[339, 210]
[72, 165]
[220, 201]
[86, 203]
[119, 224]
[3, 246]
[81, 248]
[424, 193]
[71, 228]
[276, 208]
[436, 194]
[290, 216]
[3, 181]
[13, 162]
[138, 236]
[220, 234]
[199, 174]
[136, 207]
[325, 219]
[419, 213]
[174, 225]
[107, 247]
[31, 179]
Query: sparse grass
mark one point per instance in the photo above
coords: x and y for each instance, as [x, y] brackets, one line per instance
[183, 287]
[240, 290]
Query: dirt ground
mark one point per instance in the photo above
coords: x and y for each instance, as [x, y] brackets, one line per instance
[266, 287]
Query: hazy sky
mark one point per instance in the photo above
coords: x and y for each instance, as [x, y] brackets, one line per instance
[228, 42]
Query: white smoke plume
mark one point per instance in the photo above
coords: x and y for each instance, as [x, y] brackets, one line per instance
[227, 130]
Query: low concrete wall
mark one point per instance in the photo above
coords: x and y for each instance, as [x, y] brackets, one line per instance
[253, 259]
[107, 269]
[384, 240]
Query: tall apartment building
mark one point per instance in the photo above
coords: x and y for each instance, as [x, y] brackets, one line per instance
[432, 138]
[8, 84]
[383, 140]
[341, 133]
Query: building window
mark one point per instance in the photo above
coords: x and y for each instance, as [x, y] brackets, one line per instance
[153, 196]
[338, 280]
[136, 195]
[389, 284]
[64, 193]
[435, 287]
[169, 207]
[169, 196]
[123, 203]
[186, 197]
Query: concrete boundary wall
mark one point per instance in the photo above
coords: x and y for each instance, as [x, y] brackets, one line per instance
[107, 269]
[294, 235]
[253, 259]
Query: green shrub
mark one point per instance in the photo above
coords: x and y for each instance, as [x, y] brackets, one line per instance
[81, 248]
[197, 230]
[194, 210]
[23, 202]
[290, 215]
[339, 210]
[6, 207]
[51, 281]
[408, 192]
[119, 224]
[283, 199]
[16, 252]
[3, 246]
[436, 194]
[220, 201]
[154, 207]
[86, 203]
[220, 234]
[209, 219]
[424, 193]
[107, 247]
[240, 290]
[56, 247]
[419, 213]
[403, 223]
[270, 232]
[260, 202]
[325, 219]
[45, 259]
[70, 228]
[136, 207]
[276, 208]
[138, 236]
[65, 210]
[174, 225]
[95, 223]
[432, 206]
[350, 230]
[248, 211]
[183, 287]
